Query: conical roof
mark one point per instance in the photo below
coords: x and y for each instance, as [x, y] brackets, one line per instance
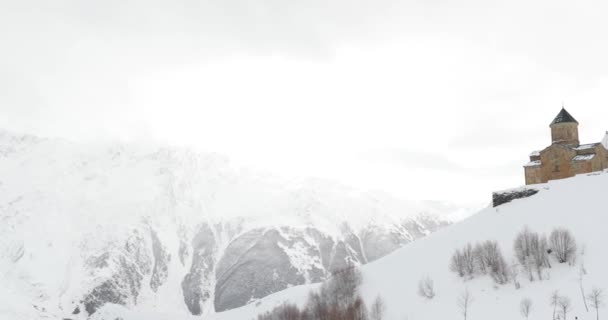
[563, 116]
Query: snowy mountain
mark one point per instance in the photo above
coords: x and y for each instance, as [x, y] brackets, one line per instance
[578, 204]
[152, 229]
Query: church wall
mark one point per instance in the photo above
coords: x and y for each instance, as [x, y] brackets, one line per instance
[556, 162]
[602, 155]
[533, 175]
[579, 167]
[565, 133]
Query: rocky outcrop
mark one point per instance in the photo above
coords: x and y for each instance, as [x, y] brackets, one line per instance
[503, 197]
[197, 284]
[130, 265]
[377, 243]
[161, 262]
[254, 264]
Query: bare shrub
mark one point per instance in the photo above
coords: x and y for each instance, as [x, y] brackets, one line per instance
[457, 263]
[522, 245]
[469, 259]
[338, 297]
[540, 258]
[377, 310]
[480, 258]
[514, 273]
[563, 244]
[463, 261]
[531, 252]
[283, 312]
[525, 306]
[426, 288]
[492, 260]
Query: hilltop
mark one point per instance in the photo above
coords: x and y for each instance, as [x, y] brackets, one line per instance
[578, 204]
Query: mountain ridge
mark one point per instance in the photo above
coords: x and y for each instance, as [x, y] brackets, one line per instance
[154, 227]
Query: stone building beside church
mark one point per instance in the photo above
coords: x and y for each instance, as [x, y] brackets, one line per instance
[565, 157]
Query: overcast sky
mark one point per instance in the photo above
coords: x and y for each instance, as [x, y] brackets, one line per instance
[425, 99]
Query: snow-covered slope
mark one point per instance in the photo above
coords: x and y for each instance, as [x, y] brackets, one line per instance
[158, 229]
[579, 204]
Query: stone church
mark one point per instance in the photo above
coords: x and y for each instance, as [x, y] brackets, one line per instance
[565, 157]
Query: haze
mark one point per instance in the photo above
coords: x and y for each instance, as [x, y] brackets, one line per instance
[423, 99]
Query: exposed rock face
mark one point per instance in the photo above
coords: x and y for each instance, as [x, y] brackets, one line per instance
[503, 197]
[254, 264]
[129, 266]
[377, 244]
[161, 262]
[197, 284]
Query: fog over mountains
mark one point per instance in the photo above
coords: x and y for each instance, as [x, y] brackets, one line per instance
[162, 228]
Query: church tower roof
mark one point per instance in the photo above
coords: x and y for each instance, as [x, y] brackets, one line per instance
[563, 116]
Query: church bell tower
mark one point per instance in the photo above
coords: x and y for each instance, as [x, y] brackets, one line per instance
[564, 129]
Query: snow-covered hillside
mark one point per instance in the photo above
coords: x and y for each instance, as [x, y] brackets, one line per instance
[157, 229]
[579, 204]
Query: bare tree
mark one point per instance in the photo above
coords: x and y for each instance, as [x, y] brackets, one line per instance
[343, 286]
[469, 259]
[290, 312]
[377, 310]
[464, 302]
[426, 288]
[581, 273]
[596, 299]
[480, 258]
[554, 302]
[514, 273]
[563, 244]
[499, 270]
[565, 306]
[317, 306]
[523, 246]
[531, 250]
[489, 259]
[525, 306]
[357, 311]
[540, 259]
[282, 312]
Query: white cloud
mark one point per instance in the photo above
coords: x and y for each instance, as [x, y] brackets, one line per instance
[363, 92]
